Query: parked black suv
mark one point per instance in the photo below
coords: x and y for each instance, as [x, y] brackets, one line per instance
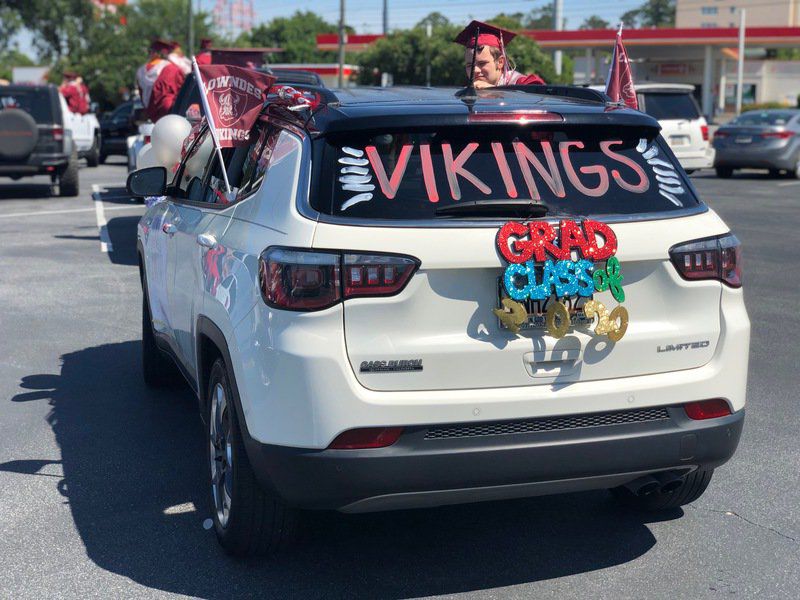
[116, 127]
[33, 139]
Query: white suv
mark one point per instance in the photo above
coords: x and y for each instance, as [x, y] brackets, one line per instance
[413, 298]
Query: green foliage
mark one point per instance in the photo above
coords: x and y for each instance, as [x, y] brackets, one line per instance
[512, 22]
[297, 35]
[10, 59]
[404, 54]
[595, 22]
[765, 106]
[653, 13]
[541, 18]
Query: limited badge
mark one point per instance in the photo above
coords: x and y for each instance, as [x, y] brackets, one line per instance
[549, 264]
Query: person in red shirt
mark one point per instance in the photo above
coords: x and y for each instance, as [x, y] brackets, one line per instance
[204, 56]
[75, 93]
[491, 63]
[159, 81]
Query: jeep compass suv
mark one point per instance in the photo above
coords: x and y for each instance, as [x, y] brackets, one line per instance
[417, 297]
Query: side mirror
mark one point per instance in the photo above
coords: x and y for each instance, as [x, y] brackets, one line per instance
[151, 181]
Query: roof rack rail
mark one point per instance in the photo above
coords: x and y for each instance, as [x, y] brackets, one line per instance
[567, 91]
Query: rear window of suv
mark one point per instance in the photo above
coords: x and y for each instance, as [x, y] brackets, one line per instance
[34, 102]
[575, 171]
[671, 106]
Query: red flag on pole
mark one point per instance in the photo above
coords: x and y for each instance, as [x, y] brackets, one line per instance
[232, 99]
[619, 85]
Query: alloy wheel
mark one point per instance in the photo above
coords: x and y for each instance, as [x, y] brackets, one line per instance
[221, 454]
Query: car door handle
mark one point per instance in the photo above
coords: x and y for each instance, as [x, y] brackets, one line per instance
[207, 240]
[169, 228]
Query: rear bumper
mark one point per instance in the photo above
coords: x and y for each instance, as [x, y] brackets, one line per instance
[695, 160]
[34, 165]
[418, 472]
[764, 158]
[114, 146]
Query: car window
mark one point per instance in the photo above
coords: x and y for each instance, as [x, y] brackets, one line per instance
[671, 106]
[194, 166]
[122, 112]
[245, 167]
[34, 102]
[574, 170]
[764, 118]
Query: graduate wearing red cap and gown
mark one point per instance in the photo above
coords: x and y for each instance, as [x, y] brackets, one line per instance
[75, 93]
[204, 56]
[159, 81]
[491, 61]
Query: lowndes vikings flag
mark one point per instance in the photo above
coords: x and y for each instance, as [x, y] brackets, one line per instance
[620, 79]
[233, 99]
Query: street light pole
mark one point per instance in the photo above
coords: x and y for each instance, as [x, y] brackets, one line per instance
[342, 42]
[385, 17]
[190, 45]
[558, 17]
[740, 70]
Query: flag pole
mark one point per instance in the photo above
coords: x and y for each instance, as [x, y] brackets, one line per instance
[211, 125]
[613, 56]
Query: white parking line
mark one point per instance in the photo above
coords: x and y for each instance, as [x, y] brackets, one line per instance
[105, 240]
[788, 183]
[36, 213]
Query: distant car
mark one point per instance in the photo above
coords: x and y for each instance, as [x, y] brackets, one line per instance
[35, 138]
[684, 128]
[116, 127]
[760, 139]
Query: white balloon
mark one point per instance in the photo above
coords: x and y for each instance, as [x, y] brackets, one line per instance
[167, 139]
[146, 158]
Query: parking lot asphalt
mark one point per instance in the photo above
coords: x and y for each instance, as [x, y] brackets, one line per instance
[102, 489]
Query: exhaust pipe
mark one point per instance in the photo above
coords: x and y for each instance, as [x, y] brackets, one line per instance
[669, 481]
[643, 486]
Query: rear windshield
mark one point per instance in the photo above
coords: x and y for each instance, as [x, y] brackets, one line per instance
[34, 102]
[574, 171]
[765, 118]
[671, 106]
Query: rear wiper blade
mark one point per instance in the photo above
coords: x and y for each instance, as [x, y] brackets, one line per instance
[500, 208]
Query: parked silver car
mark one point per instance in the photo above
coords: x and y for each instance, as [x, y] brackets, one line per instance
[760, 139]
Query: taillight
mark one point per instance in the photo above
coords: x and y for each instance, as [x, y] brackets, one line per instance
[58, 134]
[717, 258]
[707, 409]
[147, 139]
[367, 437]
[781, 135]
[704, 131]
[516, 117]
[721, 134]
[307, 280]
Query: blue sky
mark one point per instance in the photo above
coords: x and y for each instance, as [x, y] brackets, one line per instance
[366, 15]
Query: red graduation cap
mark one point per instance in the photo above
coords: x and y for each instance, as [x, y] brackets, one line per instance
[205, 43]
[158, 45]
[488, 35]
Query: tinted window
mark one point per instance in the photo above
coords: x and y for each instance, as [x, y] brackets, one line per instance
[34, 102]
[765, 118]
[671, 106]
[122, 112]
[581, 171]
[190, 173]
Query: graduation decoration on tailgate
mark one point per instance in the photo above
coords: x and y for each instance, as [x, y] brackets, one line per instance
[555, 264]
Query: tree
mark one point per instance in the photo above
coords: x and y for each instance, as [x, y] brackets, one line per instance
[404, 55]
[512, 22]
[542, 18]
[653, 13]
[595, 22]
[297, 35]
[436, 19]
[10, 59]
[60, 26]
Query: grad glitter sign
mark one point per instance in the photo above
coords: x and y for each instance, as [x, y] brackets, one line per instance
[546, 262]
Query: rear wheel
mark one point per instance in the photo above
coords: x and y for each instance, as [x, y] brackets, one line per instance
[690, 490]
[247, 519]
[157, 368]
[68, 184]
[724, 172]
[93, 155]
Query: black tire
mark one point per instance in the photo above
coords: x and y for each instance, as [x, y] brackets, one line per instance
[724, 172]
[690, 490]
[102, 158]
[158, 369]
[690, 171]
[68, 183]
[18, 134]
[257, 522]
[93, 155]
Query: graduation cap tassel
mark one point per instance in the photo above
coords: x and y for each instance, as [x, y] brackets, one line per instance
[474, 57]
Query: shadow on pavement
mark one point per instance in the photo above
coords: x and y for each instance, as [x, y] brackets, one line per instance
[122, 233]
[116, 195]
[26, 191]
[133, 467]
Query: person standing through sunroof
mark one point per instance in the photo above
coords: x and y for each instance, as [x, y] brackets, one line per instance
[491, 66]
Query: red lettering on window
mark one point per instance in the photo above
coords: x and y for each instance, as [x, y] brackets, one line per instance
[389, 186]
[505, 172]
[599, 170]
[552, 177]
[455, 167]
[427, 173]
[637, 188]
